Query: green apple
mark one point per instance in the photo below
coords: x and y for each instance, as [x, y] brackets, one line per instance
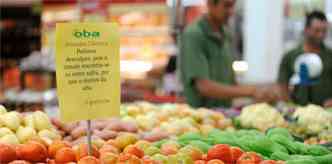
[160, 158]
[128, 118]
[9, 139]
[172, 142]
[4, 131]
[24, 134]
[173, 159]
[11, 120]
[2, 124]
[152, 150]
[192, 151]
[2, 110]
[41, 121]
[184, 158]
[126, 139]
[51, 134]
[98, 142]
[29, 121]
[142, 144]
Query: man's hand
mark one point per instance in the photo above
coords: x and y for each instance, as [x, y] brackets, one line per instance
[266, 94]
[328, 103]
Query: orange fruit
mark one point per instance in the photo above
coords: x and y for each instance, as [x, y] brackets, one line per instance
[195, 153]
[64, 155]
[82, 151]
[88, 160]
[55, 146]
[19, 162]
[112, 142]
[200, 162]
[123, 157]
[108, 158]
[32, 151]
[148, 160]
[128, 158]
[134, 150]
[7, 153]
[204, 157]
[106, 148]
[51, 161]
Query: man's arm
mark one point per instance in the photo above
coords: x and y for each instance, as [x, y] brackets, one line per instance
[195, 71]
[211, 89]
[328, 103]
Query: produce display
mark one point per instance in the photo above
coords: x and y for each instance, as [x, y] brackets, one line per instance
[149, 122]
[311, 123]
[126, 148]
[312, 119]
[261, 116]
[276, 144]
[16, 128]
[165, 133]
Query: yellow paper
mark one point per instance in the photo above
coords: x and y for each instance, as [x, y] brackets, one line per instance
[87, 70]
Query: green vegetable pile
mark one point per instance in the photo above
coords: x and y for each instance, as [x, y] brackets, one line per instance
[276, 144]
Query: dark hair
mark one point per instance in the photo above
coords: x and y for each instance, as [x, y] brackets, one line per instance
[315, 15]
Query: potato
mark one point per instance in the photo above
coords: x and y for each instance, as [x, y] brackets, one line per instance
[155, 136]
[57, 123]
[79, 132]
[105, 134]
[115, 126]
[97, 125]
[129, 127]
[68, 128]
[68, 138]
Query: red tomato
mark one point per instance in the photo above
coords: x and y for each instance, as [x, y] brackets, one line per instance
[236, 153]
[215, 161]
[221, 152]
[200, 162]
[249, 158]
[268, 162]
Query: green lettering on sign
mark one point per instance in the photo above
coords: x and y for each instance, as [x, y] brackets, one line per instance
[86, 34]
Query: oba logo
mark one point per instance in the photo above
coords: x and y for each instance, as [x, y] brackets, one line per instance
[86, 34]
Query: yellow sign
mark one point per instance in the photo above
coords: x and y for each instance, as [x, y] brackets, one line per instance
[87, 70]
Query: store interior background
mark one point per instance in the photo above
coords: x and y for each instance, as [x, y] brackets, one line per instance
[262, 31]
